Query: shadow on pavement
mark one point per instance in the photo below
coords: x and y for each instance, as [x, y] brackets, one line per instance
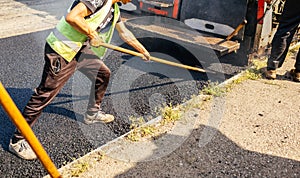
[21, 97]
[221, 157]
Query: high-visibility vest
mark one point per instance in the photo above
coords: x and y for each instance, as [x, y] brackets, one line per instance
[67, 41]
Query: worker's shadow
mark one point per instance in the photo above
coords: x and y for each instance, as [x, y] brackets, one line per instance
[219, 157]
[20, 96]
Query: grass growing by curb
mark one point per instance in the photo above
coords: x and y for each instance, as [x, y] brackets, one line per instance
[294, 48]
[82, 165]
[141, 132]
[79, 168]
[170, 114]
[213, 89]
[252, 73]
[138, 130]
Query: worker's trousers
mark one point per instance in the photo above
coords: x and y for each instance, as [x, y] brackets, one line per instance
[288, 24]
[56, 73]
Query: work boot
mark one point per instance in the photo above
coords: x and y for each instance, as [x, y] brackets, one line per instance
[295, 75]
[270, 74]
[22, 149]
[100, 116]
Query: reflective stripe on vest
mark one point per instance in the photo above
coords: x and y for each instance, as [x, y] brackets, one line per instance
[67, 41]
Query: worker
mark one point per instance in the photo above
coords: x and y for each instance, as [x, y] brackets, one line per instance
[288, 24]
[74, 44]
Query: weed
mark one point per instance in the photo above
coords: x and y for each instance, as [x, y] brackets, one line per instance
[213, 89]
[147, 130]
[79, 168]
[294, 48]
[139, 131]
[136, 122]
[253, 74]
[192, 103]
[169, 114]
[133, 136]
[259, 64]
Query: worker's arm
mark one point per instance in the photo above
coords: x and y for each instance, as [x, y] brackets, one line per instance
[76, 19]
[130, 39]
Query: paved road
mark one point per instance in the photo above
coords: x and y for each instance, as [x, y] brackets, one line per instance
[20, 17]
[144, 87]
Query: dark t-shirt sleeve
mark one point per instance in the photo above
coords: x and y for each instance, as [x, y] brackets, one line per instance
[93, 4]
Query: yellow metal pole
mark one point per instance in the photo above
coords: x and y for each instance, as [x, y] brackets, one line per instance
[117, 48]
[18, 119]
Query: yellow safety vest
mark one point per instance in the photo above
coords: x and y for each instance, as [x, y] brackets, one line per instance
[67, 41]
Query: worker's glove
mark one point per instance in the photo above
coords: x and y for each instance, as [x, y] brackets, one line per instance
[96, 40]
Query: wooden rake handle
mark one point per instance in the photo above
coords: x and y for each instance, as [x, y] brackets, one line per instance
[235, 32]
[127, 51]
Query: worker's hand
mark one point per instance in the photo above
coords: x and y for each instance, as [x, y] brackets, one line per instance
[95, 39]
[146, 56]
[268, 1]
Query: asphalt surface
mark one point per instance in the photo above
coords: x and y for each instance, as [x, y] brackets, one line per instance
[136, 89]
